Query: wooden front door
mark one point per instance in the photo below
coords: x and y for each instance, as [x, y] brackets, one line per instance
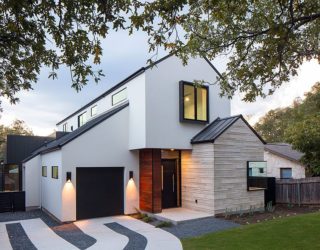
[169, 183]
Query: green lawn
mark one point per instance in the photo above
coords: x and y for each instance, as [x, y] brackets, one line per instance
[299, 232]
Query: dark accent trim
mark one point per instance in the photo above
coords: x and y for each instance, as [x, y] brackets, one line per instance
[181, 98]
[112, 103]
[115, 87]
[52, 172]
[18, 237]
[120, 84]
[136, 241]
[213, 67]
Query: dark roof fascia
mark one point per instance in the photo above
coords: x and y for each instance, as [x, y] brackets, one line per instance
[129, 78]
[213, 67]
[238, 116]
[60, 145]
[283, 156]
[115, 87]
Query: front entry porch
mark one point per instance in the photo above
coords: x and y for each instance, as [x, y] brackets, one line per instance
[180, 214]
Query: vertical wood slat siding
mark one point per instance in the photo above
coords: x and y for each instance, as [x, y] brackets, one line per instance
[237, 145]
[150, 180]
[301, 191]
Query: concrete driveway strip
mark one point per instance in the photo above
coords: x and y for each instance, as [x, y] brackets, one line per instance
[4, 239]
[158, 239]
[106, 238]
[43, 237]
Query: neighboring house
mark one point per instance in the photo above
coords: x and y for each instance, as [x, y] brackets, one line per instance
[153, 141]
[283, 161]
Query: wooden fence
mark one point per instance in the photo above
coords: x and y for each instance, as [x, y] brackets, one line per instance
[299, 191]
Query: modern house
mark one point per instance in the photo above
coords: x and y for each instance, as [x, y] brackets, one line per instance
[283, 161]
[153, 141]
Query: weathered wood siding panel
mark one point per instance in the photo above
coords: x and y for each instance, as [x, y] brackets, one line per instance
[197, 178]
[237, 145]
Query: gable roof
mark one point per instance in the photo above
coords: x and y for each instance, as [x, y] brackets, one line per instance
[57, 144]
[284, 150]
[126, 80]
[216, 128]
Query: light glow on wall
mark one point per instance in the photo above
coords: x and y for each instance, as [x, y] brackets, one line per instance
[131, 191]
[68, 193]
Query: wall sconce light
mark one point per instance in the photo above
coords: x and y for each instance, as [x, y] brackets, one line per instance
[68, 176]
[130, 175]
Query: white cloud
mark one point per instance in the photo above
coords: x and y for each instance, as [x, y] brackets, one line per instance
[309, 74]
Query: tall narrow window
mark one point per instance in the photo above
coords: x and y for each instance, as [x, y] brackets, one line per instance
[94, 110]
[119, 96]
[82, 119]
[54, 172]
[65, 127]
[194, 102]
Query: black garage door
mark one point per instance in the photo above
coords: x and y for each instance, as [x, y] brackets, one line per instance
[99, 192]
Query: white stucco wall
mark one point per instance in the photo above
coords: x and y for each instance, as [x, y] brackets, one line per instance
[275, 163]
[51, 188]
[163, 127]
[105, 145]
[32, 181]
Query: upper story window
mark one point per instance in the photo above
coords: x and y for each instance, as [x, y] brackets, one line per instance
[119, 96]
[94, 110]
[54, 172]
[82, 119]
[194, 102]
[65, 127]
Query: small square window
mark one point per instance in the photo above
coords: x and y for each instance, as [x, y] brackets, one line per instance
[44, 171]
[54, 172]
[261, 170]
[94, 110]
[285, 173]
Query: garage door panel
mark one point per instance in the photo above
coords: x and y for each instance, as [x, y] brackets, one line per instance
[99, 192]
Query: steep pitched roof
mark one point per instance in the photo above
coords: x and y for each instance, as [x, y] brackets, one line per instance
[57, 144]
[216, 128]
[284, 150]
[127, 79]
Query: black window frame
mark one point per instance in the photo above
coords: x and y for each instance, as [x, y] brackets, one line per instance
[281, 173]
[79, 119]
[181, 93]
[115, 103]
[52, 172]
[44, 167]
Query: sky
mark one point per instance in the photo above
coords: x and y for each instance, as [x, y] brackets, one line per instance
[52, 100]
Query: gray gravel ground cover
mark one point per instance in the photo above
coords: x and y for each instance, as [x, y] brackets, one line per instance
[136, 240]
[199, 227]
[68, 231]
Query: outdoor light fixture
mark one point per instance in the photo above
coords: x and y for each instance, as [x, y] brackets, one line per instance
[130, 175]
[68, 176]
